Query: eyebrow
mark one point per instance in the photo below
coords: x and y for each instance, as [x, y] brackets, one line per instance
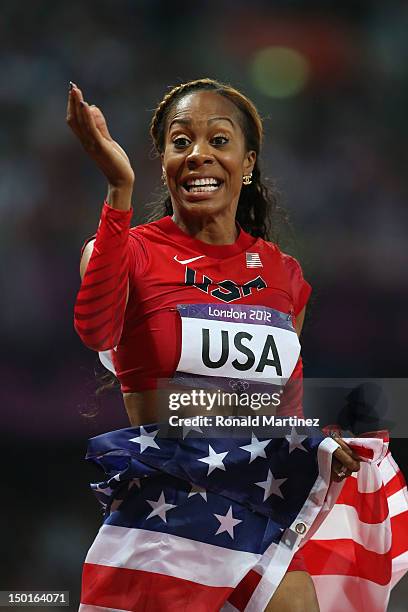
[212, 120]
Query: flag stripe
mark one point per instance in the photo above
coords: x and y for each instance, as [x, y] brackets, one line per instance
[377, 540]
[147, 591]
[398, 502]
[399, 567]
[388, 469]
[351, 594]
[370, 507]
[347, 558]
[400, 533]
[242, 594]
[395, 484]
[170, 555]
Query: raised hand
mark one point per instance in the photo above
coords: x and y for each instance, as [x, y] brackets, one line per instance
[89, 125]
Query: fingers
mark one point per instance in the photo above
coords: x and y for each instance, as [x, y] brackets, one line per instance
[100, 121]
[346, 460]
[71, 112]
[81, 120]
[339, 472]
[343, 465]
[345, 446]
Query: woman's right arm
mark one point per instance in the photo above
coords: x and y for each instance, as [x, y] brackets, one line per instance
[101, 301]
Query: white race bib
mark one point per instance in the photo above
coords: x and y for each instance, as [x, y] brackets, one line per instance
[237, 341]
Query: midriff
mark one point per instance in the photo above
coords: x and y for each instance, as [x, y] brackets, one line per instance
[141, 407]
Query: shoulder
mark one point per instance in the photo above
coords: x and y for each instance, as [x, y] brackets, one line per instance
[300, 288]
[290, 263]
[145, 230]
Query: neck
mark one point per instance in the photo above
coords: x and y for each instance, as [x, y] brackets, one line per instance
[220, 229]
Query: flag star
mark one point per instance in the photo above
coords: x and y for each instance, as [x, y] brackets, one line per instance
[188, 428]
[146, 439]
[256, 448]
[271, 485]
[195, 489]
[295, 441]
[228, 523]
[160, 507]
[214, 460]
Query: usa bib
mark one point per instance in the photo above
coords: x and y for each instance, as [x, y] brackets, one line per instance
[237, 341]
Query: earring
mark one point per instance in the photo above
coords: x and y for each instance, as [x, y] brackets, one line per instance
[247, 179]
[164, 178]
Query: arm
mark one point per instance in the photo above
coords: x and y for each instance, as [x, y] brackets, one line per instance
[102, 298]
[101, 302]
[300, 320]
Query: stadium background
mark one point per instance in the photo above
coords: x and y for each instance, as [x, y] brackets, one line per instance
[330, 78]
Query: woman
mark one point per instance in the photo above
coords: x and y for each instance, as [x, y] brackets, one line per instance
[137, 282]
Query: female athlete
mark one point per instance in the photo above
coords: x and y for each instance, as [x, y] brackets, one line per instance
[154, 299]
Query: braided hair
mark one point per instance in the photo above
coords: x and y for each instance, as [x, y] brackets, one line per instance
[258, 210]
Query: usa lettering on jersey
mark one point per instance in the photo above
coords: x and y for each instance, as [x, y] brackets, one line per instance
[226, 290]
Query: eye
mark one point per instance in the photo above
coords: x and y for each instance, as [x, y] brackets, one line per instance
[219, 140]
[181, 142]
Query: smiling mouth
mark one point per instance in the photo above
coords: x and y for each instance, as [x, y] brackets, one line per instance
[203, 185]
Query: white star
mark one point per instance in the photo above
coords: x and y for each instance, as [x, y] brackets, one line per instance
[188, 428]
[256, 448]
[228, 523]
[160, 507]
[146, 439]
[214, 460]
[295, 441]
[196, 489]
[271, 485]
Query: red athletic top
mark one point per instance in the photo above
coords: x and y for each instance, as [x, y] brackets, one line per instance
[168, 267]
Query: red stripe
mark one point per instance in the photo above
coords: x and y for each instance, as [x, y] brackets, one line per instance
[243, 592]
[396, 483]
[84, 302]
[346, 558]
[90, 315]
[95, 270]
[362, 451]
[371, 507]
[87, 332]
[128, 589]
[399, 534]
[86, 285]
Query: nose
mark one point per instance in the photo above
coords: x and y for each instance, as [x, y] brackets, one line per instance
[200, 154]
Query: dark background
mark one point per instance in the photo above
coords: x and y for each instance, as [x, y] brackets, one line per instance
[331, 81]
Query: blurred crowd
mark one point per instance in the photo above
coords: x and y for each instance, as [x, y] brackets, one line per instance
[336, 148]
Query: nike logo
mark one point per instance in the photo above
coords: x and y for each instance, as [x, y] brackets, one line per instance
[187, 261]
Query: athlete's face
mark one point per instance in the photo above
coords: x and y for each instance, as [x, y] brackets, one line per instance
[205, 156]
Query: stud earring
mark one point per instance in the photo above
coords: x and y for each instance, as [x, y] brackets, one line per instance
[247, 179]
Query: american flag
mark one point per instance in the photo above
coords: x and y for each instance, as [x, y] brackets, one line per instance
[213, 524]
[253, 260]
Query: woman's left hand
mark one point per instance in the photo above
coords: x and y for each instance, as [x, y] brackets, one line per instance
[345, 461]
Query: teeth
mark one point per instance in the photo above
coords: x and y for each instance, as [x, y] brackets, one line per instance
[200, 188]
[202, 181]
